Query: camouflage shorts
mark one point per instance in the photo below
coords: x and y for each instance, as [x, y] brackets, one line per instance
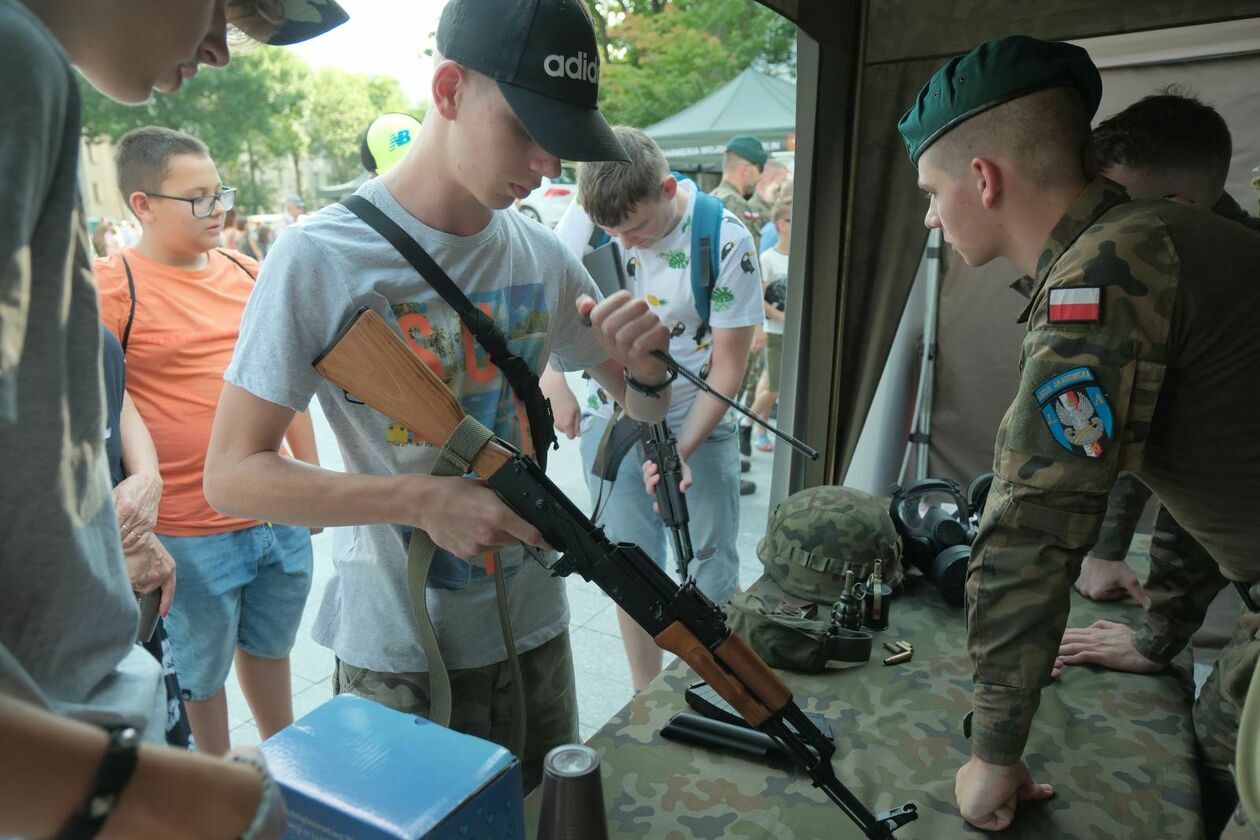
[481, 699]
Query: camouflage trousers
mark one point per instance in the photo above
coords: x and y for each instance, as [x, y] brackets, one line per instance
[748, 387]
[482, 703]
[1219, 705]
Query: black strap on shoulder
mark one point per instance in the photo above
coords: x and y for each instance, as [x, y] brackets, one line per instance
[131, 293]
[239, 264]
[708, 282]
[523, 381]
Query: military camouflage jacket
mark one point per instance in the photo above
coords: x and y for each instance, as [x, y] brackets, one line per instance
[1231, 210]
[1124, 366]
[734, 201]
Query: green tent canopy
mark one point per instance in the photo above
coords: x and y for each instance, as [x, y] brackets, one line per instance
[751, 103]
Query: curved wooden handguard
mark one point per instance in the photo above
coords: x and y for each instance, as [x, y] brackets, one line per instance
[371, 362]
[746, 696]
[737, 655]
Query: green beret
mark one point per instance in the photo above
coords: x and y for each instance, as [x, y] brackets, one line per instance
[749, 148]
[995, 72]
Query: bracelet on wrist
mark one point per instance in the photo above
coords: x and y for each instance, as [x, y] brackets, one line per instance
[111, 779]
[649, 390]
[266, 802]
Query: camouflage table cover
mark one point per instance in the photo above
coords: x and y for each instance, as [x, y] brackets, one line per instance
[1119, 748]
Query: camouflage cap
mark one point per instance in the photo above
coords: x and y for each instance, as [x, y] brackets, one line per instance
[993, 73]
[301, 20]
[818, 534]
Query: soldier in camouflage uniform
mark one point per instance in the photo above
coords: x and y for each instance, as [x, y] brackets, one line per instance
[1142, 354]
[1163, 146]
[765, 193]
[742, 166]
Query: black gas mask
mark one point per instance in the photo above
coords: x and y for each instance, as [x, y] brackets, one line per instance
[935, 521]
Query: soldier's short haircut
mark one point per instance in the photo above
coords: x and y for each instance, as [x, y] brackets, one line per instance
[1044, 134]
[143, 156]
[611, 189]
[1170, 130]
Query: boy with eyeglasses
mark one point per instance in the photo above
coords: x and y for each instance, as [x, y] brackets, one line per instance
[175, 302]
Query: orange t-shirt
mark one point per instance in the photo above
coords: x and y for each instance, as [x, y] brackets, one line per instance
[182, 337]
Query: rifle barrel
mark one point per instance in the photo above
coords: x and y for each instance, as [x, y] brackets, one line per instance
[673, 364]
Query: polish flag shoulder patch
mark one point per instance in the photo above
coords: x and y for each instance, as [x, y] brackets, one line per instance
[1075, 305]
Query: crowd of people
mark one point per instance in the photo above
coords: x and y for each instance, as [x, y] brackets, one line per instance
[206, 440]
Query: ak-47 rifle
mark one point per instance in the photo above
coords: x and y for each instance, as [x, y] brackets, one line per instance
[661, 448]
[371, 362]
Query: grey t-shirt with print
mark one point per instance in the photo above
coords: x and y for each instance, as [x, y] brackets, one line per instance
[313, 280]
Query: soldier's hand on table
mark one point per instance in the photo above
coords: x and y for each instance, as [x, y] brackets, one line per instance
[987, 793]
[1109, 580]
[652, 477]
[1106, 643]
[628, 331]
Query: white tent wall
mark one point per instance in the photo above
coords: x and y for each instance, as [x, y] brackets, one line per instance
[877, 458]
[978, 340]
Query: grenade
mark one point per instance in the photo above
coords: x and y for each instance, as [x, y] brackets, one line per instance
[876, 600]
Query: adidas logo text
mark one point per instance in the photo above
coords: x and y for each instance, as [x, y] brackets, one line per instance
[574, 67]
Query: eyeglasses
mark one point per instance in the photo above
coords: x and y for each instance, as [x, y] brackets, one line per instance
[203, 205]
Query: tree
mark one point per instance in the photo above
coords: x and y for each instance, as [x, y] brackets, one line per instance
[659, 56]
[250, 114]
[342, 107]
[265, 110]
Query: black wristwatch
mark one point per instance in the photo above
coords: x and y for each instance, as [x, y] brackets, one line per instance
[111, 779]
[649, 390]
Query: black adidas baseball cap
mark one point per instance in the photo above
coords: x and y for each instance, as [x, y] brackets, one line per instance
[543, 55]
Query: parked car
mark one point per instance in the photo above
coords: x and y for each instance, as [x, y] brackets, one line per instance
[553, 196]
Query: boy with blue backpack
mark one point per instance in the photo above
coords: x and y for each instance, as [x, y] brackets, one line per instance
[695, 264]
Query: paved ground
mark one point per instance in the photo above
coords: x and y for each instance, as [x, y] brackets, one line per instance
[603, 677]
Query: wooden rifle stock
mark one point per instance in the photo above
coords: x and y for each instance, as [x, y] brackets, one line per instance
[369, 361]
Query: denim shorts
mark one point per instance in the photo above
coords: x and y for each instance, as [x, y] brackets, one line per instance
[241, 589]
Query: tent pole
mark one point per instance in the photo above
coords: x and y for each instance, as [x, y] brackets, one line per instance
[919, 444]
[930, 319]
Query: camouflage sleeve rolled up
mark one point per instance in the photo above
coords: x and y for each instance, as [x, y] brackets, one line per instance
[1183, 581]
[1090, 376]
[1124, 508]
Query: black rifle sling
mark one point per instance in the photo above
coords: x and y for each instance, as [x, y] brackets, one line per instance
[523, 381]
[131, 292]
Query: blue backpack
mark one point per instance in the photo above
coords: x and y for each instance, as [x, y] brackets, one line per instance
[706, 261]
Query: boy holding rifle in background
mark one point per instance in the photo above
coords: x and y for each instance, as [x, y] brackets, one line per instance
[654, 216]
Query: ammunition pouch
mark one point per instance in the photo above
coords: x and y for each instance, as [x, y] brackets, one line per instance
[794, 634]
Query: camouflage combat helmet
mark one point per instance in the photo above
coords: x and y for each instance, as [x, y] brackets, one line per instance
[818, 534]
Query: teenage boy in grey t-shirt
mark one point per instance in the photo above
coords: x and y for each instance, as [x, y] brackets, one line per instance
[505, 111]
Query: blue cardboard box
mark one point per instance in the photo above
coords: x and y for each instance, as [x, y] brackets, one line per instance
[356, 769]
